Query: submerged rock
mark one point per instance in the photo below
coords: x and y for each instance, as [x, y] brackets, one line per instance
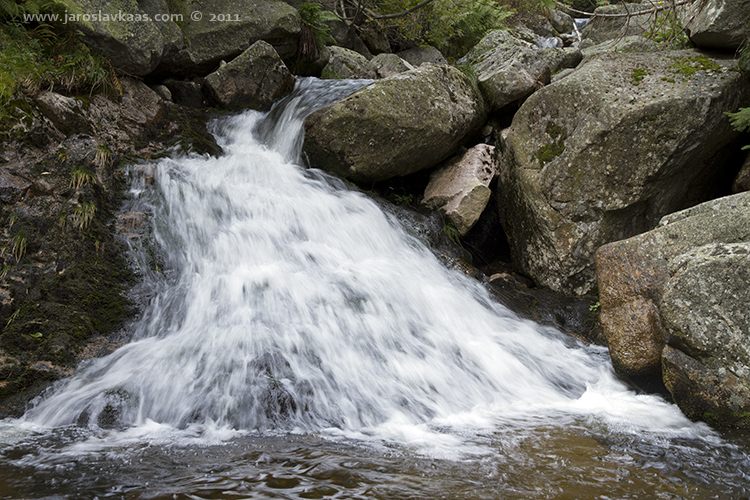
[604, 153]
[395, 126]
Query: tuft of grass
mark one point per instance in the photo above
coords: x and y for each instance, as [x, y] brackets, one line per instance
[102, 156]
[48, 57]
[84, 214]
[81, 177]
[19, 243]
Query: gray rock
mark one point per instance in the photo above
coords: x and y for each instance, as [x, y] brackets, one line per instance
[602, 154]
[255, 79]
[389, 64]
[376, 42]
[422, 55]
[717, 24]
[510, 69]
[396, 126]
[742, 181]
[186, 93]
[633, 43]
[459, 189]
[560, 21]
[120, 31]
[163, 92]
[66, 113]
[346, 63]
[207, 41]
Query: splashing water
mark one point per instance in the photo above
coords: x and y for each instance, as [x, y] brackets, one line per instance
[291, 304]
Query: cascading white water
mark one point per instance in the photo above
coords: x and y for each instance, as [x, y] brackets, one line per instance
[295, 304]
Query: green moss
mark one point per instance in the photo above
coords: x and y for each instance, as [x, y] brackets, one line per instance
[550, 151]
[727, 418]
[637, 76]
[666, 79]
[687, 67]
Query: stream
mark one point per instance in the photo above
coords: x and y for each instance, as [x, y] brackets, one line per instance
[298, 342]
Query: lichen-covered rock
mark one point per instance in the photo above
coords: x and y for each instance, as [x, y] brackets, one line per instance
[717, 24]
[395, 126]
[604, 153]
[346, 63]
[389, 64]
[121, 31]
[509, 69]
[254, 79]
[742, 181]
[704, 306]
[460, 188]
[225, 29]
[645, 281]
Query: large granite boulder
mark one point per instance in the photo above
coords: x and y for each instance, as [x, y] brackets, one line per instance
[717, 24]
[675, 299]
[460, 189]
[123, 32]
[395, 126]
[605, 152]
[207, 41]
[255, 79]
[509, 69]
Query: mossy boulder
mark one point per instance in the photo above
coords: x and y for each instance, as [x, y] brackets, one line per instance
[121, 31]
[509, 69]
[395, 126]
[604, 153]
[224, 29]
[255, 79]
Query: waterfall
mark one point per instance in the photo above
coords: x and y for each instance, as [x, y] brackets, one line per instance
[288, 302]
